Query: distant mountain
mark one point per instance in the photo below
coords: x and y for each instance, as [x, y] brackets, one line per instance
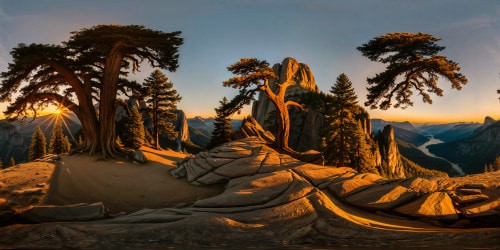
[379, 124]
[47, 122]
[404, 131]
[474, 152]
[458, 132]
[434, 129]
[200, 129]
[414, 154]
[487, 122]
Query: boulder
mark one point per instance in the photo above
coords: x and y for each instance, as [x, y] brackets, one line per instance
[381, 197]
[485, 208]
[420, 185]
[77, 212]
[436, 205]
[348, 187]
[464, 199]
[470, 191]
[139, 156]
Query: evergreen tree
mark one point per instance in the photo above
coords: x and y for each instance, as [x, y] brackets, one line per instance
[162, 100]
[12, 162]
[496, 164]
[361, 150]
[58, 141]
[341, 127]
[38, 146]
[223, 128]
[413, 65]
[135, 129]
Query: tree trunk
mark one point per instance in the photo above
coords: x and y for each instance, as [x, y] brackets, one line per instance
[155, 130]
[107, 106]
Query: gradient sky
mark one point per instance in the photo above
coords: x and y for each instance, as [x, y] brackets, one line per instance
[321, 33]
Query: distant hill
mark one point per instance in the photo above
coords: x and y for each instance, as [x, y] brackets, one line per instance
[474, 152]
[458, 132]
[200, 129]
[414, 154]
[403, 131]
[379, 124]
[434, 129]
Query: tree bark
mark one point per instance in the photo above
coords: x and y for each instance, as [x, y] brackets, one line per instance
[107, 106]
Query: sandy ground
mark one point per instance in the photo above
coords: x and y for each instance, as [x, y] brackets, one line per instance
[24, 184]
[123, 185]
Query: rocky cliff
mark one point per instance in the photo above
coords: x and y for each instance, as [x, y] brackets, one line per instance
[181, 126]
[12, 144]
[391, 158]
[289, 69]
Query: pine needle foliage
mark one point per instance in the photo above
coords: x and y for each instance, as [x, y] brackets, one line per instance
[223, 128]
[413, 64]
[38, 146]
[161, 101]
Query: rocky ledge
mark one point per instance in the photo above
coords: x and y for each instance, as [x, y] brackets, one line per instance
[273, 200]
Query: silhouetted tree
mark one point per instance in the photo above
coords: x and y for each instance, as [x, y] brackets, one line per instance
[223, 128]
[253, 76]
[162, 100]
[413, 64]
[38, 146]
[88, 67]
[341, 126]
[134, 130]
[59, 143]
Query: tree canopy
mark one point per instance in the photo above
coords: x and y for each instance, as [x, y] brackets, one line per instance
[223, 129]
[88, 70]
[413, 64]
[38, 146]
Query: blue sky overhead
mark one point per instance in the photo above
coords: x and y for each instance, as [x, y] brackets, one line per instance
[323, 34]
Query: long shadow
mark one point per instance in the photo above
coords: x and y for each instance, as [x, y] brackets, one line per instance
[171, 158]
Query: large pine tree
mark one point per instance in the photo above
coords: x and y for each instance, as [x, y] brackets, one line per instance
[222, 123]
[341, 126]
[162, 101]
[59, 143]
[38, 146]
[134, 129]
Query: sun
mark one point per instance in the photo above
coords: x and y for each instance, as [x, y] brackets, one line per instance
[58, 111]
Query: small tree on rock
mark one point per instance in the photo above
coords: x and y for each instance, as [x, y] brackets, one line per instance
[413, 65]
[253, 76]
[38, 146]
[223, 128]
[162, 100]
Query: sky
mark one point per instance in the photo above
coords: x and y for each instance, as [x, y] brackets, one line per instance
[323, 34]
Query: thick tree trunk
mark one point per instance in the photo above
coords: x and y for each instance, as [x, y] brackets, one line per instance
[107, 106]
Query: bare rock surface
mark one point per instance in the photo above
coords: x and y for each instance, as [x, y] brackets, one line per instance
[77, 212]
[275, 201]
[437, 205]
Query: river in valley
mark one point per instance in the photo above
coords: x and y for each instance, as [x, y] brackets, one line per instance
[426, 151]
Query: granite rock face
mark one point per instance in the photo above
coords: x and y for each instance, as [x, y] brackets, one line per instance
[391, 158]
[273, 200]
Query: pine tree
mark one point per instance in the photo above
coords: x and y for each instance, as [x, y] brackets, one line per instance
[38, 146]
[360, 160]
[496, 164]
[12, 162]
[223, 128]
[135, 130]
[58, 141]
[341, 127]
[162, 100]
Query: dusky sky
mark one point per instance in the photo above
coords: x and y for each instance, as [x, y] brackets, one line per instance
[321, 33]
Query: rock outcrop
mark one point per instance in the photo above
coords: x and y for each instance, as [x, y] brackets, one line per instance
[391, 158]
[272, 200]
[289, 69]
[181, 126]
[251, 128]
[12, 143]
